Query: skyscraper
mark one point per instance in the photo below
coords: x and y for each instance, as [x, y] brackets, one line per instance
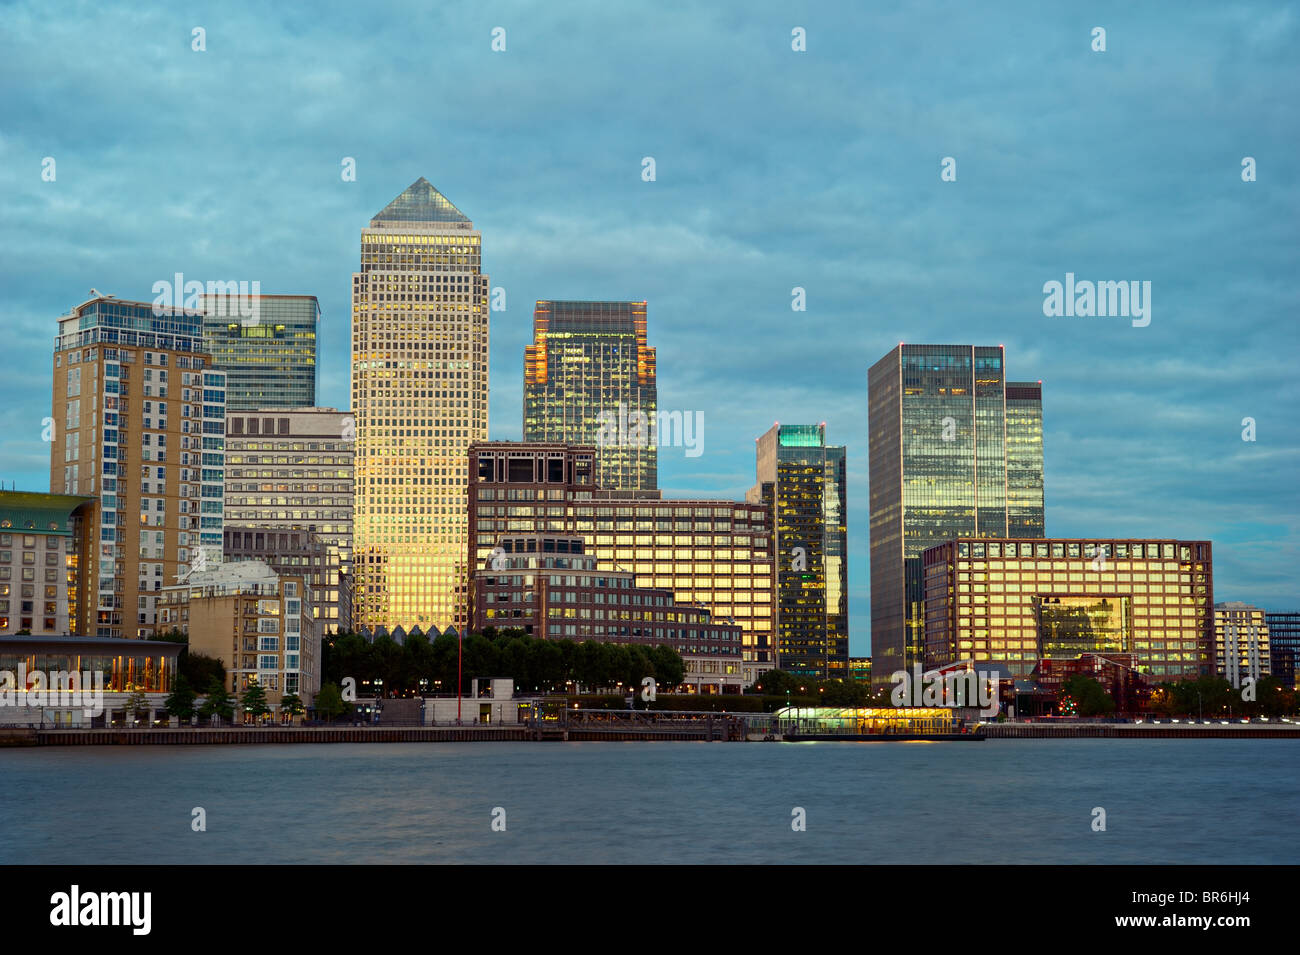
[269, 357]
[941, 468]
[802, 480]
[420, 397]
[139, 425]
[590, 359]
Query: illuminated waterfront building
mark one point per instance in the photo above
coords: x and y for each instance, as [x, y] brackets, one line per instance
[802, 481]
[547, 586]
[269, 357]
[708, 553]
[1241, 642]
[420, 398]
[1016, 602]
[954, 451]
[590, 359]
[140, 419]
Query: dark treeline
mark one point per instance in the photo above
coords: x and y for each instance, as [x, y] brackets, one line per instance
[423, 665]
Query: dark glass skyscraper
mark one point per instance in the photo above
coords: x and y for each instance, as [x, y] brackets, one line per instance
[954, 452]
[588, 366]
[1284, 645]
[802, 481]
[269, 357]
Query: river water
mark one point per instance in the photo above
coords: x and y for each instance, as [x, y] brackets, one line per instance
[997, 801]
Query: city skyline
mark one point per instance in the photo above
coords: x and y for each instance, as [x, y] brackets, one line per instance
[1143, 425]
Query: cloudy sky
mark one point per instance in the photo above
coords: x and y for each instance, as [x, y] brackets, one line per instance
[774, 169]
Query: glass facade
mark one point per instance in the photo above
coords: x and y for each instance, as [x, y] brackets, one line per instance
[419, 397]
[802, 481]
[590, 359]
[1284, 645]
[270, 359]
[1016, 602]
[951, 455]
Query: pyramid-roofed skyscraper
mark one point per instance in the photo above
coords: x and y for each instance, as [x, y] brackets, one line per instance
[419, 398]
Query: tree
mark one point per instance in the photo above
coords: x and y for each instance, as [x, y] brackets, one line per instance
[254, 701]
[292, 704]
[329, 702]
[137, 705]
[181, 702]
[217, 702]
[668, 666]
[1086, 697]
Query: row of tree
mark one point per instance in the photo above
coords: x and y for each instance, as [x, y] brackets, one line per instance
[423, 665]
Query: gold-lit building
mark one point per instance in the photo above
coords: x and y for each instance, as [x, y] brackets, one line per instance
[709, 553]
[1018, 601]
[588, 366]
[1241, 642]
[420, 398]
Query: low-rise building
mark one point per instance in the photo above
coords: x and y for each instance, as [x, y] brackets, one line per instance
[552, 589]
[42, 543]
[258, 623]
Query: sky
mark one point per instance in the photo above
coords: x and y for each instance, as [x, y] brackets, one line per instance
[774, 169]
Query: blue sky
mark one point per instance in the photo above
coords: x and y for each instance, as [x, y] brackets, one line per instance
[774, 169]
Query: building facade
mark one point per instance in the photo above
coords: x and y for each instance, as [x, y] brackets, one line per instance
[548, 587]
[711, 554]
[1241, 642]
[589, 365]
[952, 454]
[301, 552]
[258, 623]
[269, 357]
[1284, 645]
[292, 470]
[42, 540]
[139, 425]
[801, 480]
[420, 398]
[1017, 602]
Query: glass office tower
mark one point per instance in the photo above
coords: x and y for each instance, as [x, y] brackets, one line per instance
[590, 359]
[269, 357]
[941, 468]
[802, 480]
[419, 397]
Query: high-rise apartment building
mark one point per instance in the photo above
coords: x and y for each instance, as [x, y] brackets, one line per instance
[1020, 602]
[420, 397]
[139, 425]
[1241, 642]
[266, 345]
[1284, 645]
[711, 554]
[952, 454]
[42, 540]
[801, 480]
[589, 367]
[292, 469]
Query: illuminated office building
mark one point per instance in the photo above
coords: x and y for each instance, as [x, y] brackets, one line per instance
[1284, 645]
[711, 554]
[590, 359]
[1017, 602]
[954, 451]
[269, 357]
[802, 481]
[139, 414]
[419, 397]
[292, 470]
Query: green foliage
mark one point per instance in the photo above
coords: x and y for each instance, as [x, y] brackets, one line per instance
[138, 704]
[1087, 696]
[329, 702]
[254, 701]
[292, 704]
[217, 702]
[706, 702]
[1213, 697]
[181, 702]
[806, 691]
[197, 668]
